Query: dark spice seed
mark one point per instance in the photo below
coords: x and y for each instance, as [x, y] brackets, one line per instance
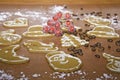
[82, 36]
[78, 18]
[118, 50]
[72, 48]
[86, 45]
[110, 40]
[81, 8]
[86, 31]
[92, 37]
[86, 13]
[108, 17]
[101, 49]
[92, 13]
[86, 24]
[93, 49]
[73, 55]
[74, 15]
[108, 14]
[82, 14]
[109, 47]
[80, 54]
[87, 39]
[77, 51]
[98, 44]
[65, 6]
[93, 46]
[117, 43]
[115, 21]
[79, 30]
[115, 14]
[97, 56]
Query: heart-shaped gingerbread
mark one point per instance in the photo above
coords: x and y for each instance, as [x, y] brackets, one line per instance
[8, 37]
[18, 22]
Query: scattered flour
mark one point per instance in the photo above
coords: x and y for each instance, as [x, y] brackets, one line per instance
[4, 15]
[36, 75]
[5, 76]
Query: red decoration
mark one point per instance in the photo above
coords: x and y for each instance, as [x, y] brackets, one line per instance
[54, 25]
[59, 14]
[67, 16]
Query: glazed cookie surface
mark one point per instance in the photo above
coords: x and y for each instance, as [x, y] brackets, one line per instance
[36, 31]
[113, 62]
[103, 32]
[62, 62]
[8, 37]
[9, 56]
[95, 20]
[37, 46]
[18, 22]
[68, 40]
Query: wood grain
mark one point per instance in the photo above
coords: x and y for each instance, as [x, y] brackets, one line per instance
[59, 1]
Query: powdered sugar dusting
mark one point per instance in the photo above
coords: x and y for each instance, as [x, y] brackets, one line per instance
[5, 76]
[56, 9]
[4, 15]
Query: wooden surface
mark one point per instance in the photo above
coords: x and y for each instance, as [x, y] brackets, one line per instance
[59, 1]
[92, 67]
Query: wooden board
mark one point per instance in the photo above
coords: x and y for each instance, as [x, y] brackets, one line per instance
[60, 2]
[92, 68]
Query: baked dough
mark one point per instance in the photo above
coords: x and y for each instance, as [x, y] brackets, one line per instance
[8, 37]
[18, 22]
[68, 40]
[8, 55]
[62, 62]
[95, 20]
[114, 62]
[36, 31]
[103, 32]
[37, 46]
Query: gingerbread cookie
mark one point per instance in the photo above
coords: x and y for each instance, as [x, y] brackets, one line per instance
[114, 62]
[68, 40]
[95, 20]
[36, 31]
[103, 32]
[8, 37]
[8, 55]
[7, 31]
[62, 62]
[18, 22]
[36, 46]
